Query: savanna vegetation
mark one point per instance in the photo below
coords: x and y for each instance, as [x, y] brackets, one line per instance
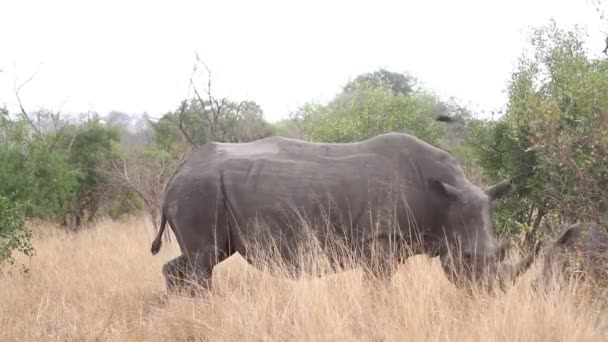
[103, 284]
[71, 185]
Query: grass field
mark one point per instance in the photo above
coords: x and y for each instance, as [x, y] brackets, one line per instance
[103, 284]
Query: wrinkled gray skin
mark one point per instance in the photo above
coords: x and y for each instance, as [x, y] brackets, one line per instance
[580, 249]
[345, 191]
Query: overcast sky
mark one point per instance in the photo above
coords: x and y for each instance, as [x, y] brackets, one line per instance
[137, 56]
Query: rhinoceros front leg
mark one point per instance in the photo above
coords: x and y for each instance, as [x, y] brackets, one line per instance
[174, 273]
[381, 257]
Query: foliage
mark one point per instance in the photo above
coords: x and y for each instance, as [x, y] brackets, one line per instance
[396, 82]
[33, 173]
[362, 111]
[89, 147]
[460, 125]
[289, 128]
[55, 173]
[141, 174]
[552, 139]
[13, 235]
[199, 121]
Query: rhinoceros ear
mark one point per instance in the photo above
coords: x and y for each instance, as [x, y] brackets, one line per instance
[568, 235]
[443, 189]
[499, 190]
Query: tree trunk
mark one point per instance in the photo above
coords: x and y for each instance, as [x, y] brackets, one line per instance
[93, 212]
[530, 237]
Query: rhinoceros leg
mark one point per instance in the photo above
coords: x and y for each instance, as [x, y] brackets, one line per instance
[203, 236]
[380, 258]
[184, 273]
[202, 263]
[174, 273]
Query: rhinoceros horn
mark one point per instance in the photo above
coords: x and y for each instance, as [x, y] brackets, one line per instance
[507, 272]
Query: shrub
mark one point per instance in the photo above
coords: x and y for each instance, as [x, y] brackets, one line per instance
[13, 235]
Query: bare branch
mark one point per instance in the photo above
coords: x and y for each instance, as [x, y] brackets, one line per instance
[23, 111]
[146, 179]
[208, 74]
[72, 142]
[150, 118]
[180, 124]
[210, 118]
[124, 166]
[58, 135]
[55, 118]
[206, 117]
[217, 122]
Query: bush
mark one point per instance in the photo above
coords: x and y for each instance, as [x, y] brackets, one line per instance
[361, 111]
[13, 235]
[33, 173]
[552, 139]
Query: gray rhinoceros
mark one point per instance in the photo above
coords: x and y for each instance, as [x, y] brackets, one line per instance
[580, 250]
[385, 198]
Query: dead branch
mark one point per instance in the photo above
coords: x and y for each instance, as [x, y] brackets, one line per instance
[72, 142]
[23, 111]
[147, 182]
[180, 125]
[58, 135]
[206, 115]
[213, 114]
[56, 119]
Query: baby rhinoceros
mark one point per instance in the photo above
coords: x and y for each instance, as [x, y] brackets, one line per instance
[581, 250]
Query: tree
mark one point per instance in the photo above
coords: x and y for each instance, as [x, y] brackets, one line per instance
[398, 83]
[89, 147]
[552, 139]
[362, 110]
[289, 128]
[144, 173]
[34, 171]
[206, 118]
[134, 130]
[13, 235]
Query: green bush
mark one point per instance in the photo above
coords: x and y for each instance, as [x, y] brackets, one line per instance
[32, 172]
[552, 139]
[365, 108]
[13, 235]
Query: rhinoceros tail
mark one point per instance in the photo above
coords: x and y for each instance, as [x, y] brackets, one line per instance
[158, 240]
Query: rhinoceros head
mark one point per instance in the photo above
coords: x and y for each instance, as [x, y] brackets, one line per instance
[469, 247]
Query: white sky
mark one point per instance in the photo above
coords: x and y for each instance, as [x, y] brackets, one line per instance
[137, 56]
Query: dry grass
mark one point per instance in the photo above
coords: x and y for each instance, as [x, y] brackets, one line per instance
[103, 284]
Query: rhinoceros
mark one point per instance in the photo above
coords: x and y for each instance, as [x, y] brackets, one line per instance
[580, 250]
[385, 198]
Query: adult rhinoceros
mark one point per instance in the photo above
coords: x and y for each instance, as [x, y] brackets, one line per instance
[392, 191]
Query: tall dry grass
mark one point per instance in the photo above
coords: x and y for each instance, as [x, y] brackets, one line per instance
[103, 284]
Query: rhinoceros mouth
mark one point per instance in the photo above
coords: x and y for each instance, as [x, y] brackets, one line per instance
[489, 270]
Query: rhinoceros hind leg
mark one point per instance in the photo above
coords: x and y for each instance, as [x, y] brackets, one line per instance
[188, 273]
[200, 266]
